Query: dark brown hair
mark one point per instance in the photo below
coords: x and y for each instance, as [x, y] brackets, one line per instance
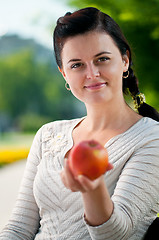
[89, 19]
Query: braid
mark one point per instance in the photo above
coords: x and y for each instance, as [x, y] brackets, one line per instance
[131, 83]
[147, 111]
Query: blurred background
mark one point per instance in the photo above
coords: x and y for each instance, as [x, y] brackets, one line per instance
[32, 90]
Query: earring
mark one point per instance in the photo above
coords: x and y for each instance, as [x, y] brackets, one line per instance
[67, 86]
[126, 76]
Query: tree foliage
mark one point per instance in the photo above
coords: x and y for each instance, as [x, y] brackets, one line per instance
[32, 90]
[139, 21]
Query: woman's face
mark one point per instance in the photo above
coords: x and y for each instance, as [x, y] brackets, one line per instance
[93, 67]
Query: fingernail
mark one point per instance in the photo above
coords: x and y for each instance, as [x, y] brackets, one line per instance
[65, 161]
[79, 177]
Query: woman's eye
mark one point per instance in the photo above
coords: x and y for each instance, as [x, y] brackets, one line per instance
[76, 65]
[103, 59]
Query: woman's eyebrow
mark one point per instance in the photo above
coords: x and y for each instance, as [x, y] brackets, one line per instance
[97, 55]
[105, 52]
[74, 60]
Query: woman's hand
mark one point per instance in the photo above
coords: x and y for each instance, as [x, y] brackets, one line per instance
[96, 200]
[80, 183]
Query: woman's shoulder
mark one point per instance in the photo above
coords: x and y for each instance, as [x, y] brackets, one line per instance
[61, 123]
[146, 132]
[59, 126]
[140, 134]
[149, 126]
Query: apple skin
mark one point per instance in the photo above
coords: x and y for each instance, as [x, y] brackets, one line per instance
[88, 158]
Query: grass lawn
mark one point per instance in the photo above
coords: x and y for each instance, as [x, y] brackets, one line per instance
[15, 139]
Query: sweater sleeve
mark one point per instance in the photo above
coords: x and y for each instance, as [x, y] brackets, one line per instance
[135, 195]
[24, 221]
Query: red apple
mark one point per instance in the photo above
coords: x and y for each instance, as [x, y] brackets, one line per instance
[88, 158]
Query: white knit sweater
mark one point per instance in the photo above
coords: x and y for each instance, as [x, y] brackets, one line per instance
[45, 209]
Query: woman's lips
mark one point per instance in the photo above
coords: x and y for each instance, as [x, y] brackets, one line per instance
[95, 86]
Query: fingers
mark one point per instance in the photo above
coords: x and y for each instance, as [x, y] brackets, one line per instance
[110, 166]
[89, 185]
[80, 183]
[69, 180]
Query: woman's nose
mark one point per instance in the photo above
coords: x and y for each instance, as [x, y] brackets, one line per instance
[92, 71]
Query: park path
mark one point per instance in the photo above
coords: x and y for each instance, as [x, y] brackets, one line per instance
[10, 179]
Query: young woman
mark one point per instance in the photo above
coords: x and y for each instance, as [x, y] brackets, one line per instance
[95, 61]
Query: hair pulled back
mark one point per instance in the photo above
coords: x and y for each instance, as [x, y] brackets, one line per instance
[89, 19]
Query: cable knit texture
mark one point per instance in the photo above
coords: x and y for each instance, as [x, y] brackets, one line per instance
[45, 209]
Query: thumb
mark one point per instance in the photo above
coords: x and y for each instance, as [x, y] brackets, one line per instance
[110, 166]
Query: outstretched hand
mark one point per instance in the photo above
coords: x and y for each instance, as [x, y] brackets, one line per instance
[80, 183]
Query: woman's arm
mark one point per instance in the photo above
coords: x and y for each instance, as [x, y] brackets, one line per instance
[99, 200]
[135, 195]
[24, 222]
[95, 195]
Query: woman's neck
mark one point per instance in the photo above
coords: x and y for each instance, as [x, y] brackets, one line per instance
[105, 123]
[112, 117]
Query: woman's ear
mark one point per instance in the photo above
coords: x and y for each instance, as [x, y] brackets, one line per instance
[126, 61]
[62, 72]
[59, 69]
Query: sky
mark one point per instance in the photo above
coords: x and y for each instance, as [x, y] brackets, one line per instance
[31, 18]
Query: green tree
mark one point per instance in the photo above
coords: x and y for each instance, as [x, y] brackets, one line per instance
[29, 89]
